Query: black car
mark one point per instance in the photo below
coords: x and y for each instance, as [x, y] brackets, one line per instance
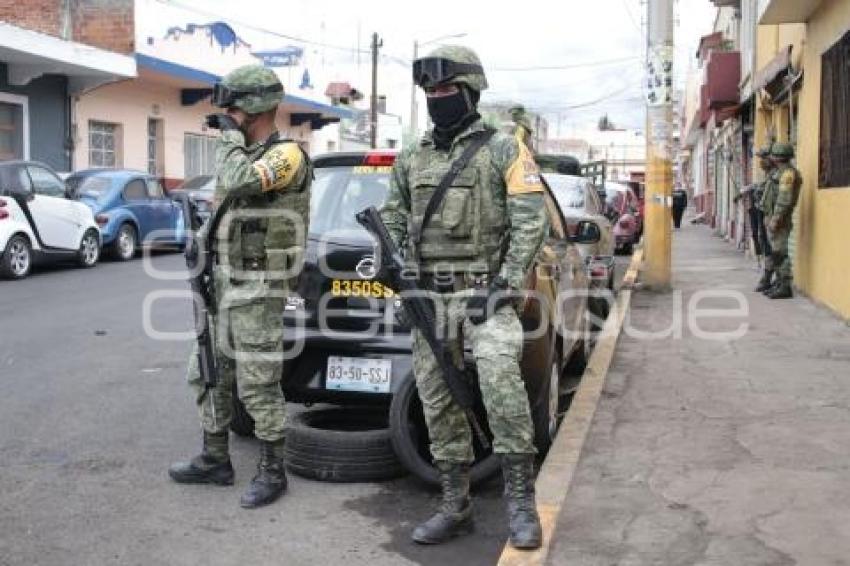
[346, 346]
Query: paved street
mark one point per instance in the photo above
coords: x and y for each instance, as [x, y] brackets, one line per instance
[91, 413]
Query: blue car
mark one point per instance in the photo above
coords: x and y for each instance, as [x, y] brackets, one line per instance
[130, 208]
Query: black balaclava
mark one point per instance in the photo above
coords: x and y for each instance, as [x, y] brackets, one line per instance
[453, 114]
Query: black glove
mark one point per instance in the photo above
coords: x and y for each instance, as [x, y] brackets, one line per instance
[487, 301]
[221, 122]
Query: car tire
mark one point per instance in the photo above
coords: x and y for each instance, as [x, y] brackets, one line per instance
[16, 261]
[410, 439]
[546, 415]
[126, 242]
[241, 421]
[341, 445]
[89, 251]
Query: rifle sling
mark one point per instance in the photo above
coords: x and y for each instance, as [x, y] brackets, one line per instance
[439, 194]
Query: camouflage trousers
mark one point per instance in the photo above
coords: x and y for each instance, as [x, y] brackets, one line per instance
[249, 352]
[497, 348]
[779, 260]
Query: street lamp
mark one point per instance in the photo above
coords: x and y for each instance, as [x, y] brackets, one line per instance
[414, 114]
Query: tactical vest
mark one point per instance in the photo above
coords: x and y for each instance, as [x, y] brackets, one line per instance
[768, 199]
[275, 237]
[468, 231]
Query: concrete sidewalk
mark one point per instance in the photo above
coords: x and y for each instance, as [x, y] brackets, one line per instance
[731, 452]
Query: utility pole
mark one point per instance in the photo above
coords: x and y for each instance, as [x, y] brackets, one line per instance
[373, 103]
[414, 108]
[659, 145]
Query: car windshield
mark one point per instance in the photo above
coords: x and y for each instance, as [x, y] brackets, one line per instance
[91, 186]
[338, 193]
[569, 191]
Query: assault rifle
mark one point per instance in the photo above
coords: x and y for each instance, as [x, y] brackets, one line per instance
[420, 311]
[200, 259]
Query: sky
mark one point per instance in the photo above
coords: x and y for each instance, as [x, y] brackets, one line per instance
[592, 51]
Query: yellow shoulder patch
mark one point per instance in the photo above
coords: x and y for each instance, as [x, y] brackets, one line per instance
[523, 175]
[278, 166]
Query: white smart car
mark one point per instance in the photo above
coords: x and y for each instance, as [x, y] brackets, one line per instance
[39, 224]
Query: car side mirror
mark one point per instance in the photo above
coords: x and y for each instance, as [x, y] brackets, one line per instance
[587, 232]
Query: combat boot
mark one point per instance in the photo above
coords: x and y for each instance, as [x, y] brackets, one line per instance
[518, 472]
[212, 465]
[454, 517]
[765, 282]
[782, 290]
[270, 481]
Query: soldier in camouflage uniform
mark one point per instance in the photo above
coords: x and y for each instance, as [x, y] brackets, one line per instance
[260, 247]
[478, 247]
[522, 125]
[780, 199]
[759, 227]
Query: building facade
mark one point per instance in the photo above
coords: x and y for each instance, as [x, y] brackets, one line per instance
[802, 46]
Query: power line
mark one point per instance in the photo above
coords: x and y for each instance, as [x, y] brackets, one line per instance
[571, 66]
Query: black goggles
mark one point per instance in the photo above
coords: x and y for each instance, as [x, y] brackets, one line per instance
[429, 72]
[225, 97]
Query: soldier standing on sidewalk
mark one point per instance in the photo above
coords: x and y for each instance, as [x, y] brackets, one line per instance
[759, 225]
[478, 247]
[268, 183]
[778, 204]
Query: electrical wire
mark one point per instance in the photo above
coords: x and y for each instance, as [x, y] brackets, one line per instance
[560, 67]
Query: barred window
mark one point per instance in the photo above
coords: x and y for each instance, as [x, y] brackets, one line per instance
[104, 144]
[834, 166]
[198, 155]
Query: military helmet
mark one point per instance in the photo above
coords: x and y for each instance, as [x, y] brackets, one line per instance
[450, 64]
[253, 88]
[520, 117]
[764, 151]
[782, 151]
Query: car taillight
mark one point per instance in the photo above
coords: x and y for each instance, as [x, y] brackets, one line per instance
[379, 159]
[101, 219]
[4, 213]
[598, 271]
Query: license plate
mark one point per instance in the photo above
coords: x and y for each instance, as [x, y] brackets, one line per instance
[368, 375]
[348, 288]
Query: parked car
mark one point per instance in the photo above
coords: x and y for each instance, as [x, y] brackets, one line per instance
[353, 351]
[624, 210]
[579, 200]
[201, 190]
[38, 223]
[131, 209]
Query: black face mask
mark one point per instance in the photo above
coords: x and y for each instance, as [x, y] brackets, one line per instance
[446, 111]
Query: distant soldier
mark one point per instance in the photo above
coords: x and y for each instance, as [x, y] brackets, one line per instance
[522, 126]
[780, 198]
[759, 228]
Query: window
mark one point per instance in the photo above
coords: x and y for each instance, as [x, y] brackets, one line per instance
[45, 183]
[154, 188]
[834, 118]
[594, 204]
[14, 180]
[14, 129]
[155, 147]
[104, 144]
[198, 155]
[135, 190]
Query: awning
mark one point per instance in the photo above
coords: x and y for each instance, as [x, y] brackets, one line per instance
[773, 69]
[788, 11]
[30, 54]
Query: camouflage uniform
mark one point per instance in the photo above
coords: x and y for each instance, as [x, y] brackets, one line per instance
[780, 198]
[504, 173]
[259, 257]
[259, 247]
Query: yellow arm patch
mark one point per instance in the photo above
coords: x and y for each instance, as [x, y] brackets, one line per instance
[278, 166]
[786, 181]
[523, 175]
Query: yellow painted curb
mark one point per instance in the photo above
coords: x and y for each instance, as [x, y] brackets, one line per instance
[556, 475]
